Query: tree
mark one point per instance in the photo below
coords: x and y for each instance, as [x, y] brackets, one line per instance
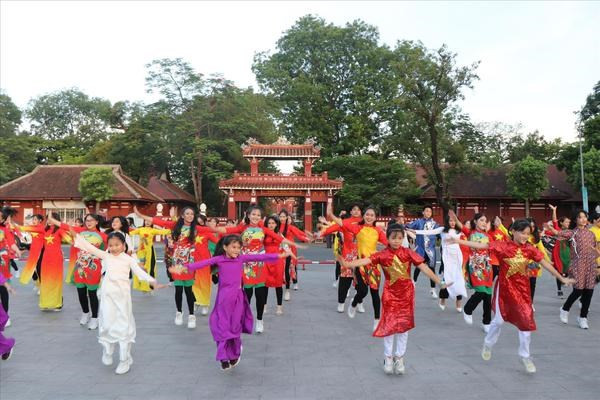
[591, 170]
[426, 119]
[527, 180]
[333, 83]
[175, 80]
[10, 117]
[96, 184]
[534, 145]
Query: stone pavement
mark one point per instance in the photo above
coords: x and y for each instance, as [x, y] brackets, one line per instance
[311, 352]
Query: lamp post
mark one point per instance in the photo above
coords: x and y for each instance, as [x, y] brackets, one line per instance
[584, 195]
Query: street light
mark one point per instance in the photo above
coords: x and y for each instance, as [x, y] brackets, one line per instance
[584, 194]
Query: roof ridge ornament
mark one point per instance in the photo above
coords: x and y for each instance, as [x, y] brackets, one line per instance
[249, 142]
[282, 140]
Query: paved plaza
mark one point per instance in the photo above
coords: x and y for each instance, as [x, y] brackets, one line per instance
[311, 352]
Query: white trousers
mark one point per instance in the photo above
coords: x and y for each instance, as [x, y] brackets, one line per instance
[388, 344]
[494, 333]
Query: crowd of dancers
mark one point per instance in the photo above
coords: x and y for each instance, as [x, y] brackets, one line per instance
[499, 264]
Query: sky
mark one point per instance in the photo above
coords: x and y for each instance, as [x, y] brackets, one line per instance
[539, 60]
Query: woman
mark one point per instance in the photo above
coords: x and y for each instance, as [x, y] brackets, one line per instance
[275, 270]
[290, 232]
[583, 266]
[146, 253]
[561, 252]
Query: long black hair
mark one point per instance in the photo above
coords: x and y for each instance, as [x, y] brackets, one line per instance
[181, 222]
[99, 220]
[220, 247]
[447, 224]
[54, 227]
[365, 211]
[124, 224]
[249, 211]
[535, 230]
[474, 220]
[277, 223]
[285, 228]
[7, 212]
[573, 223]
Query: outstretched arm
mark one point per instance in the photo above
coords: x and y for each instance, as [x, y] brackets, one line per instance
[146, 218]
[84, 245]
[473, 245]
[550, 268]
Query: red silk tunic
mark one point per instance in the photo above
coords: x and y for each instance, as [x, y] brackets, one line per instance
[398, 299]
[512, 287]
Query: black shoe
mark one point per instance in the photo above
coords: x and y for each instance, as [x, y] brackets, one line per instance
[560, 294]
[6, 356]
[224, 365]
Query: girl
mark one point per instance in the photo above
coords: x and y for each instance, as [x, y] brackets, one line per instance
[583, 266]
[480, 273]
[561, 252]
[86, 271]
[202, 279]
[231, 314]
[398, 298]
[349, 251]
[7, 247]
[367, 277]
[512, 292]
[117, 324]
[498, 232]
[146, 253]
[6, 344]
[51, 271]
[253, 235]
[290, 232]
[34, 260]
[275, 270]
[534, 268]
[189, 244]
[453, 262]
[121, 224]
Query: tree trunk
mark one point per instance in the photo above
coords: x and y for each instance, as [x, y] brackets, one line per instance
[199, 177]
[527, 208]
[194, 181]
[97, 207]
[439, 176]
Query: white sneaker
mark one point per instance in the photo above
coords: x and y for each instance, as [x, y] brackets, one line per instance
[375, 323]
[85, 318]
[286, 295]
[433, 293]
[468, 318]
[583, 324]
[295, 286]
[442, 306]
[564, 316]
[259, 326]
[459, 309]
[399, 366]
[335, 283]
[533, 307]
[204, 310]
[388, 365]
[360, 308]
[191, 322]
[529, 365]
[37, 291]
[107, 359]
[178, 318]
[17, 274]
[8, 323]
[340, 308]
[279, 310]
[485, 327]
[486, 353]
[123, 367]
[93, 324]
[351, 311]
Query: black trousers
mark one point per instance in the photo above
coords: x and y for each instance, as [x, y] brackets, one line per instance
[83, 293]
[189, 298]
[13, 264]
[37, 274]
[361, 292]
[586, 299]
[474, 300]
[343, 287]
[418, 271]
[338, 269]
[261, 299]
[153, 265]
[288, 265]
[278, 294]
[4, 297]
[444, 294]
[532, 283]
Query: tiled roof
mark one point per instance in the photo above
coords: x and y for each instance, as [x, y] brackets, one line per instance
[57, 182]
[275, 182]
[292, 151]
[492, 184]
[169, 191]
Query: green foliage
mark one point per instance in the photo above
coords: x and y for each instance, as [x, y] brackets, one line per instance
[333, 84]
[96, 184]
[591, 170]
[372, 180]
[527, 179]
[175, 80]
[10, 117]
[592, 104]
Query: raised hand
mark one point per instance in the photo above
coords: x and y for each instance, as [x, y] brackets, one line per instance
[553, 208]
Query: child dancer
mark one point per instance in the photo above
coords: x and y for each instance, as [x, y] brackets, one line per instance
[87, 268]
[146, 253]
[33, 264]
[6, 344]
[398, 298]
[117, 324]
[512, 292]
[231, 314]
[275, 270]
[290, 232]
[561, 252]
